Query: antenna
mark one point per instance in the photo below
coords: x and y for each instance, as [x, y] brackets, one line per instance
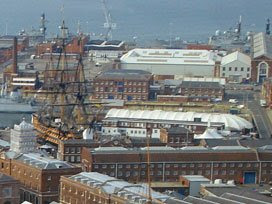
[6, 27]
[239, 26]
[42, 26]
[267, 31]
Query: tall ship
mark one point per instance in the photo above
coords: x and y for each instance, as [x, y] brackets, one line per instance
[67, 112]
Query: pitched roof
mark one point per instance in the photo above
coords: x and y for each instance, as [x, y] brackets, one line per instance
[262, 45]
[236, 56]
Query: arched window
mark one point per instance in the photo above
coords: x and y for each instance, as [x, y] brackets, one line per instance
[263, 68]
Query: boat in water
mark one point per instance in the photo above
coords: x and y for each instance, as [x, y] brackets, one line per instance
[231, 39]
[14, 103]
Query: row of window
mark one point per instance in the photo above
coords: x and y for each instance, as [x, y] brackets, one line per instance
[191, 165]
[72, 159]
[121, 83]
[121, 96]
[111, 89]
[236, 69]
[223, 74]
[72, 150]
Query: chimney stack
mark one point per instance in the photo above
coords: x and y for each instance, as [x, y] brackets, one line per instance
[14, 67]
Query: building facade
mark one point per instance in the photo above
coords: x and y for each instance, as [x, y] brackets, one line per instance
[39, 175]
[201, 91]
[236, 67]
[261, 57]
[243, 165]
[173, 62]
[23, 138]
[126, 85]
[9, 190]
[92, 187]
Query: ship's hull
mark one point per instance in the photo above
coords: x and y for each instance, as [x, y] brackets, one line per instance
[51, 134]
[9, 106]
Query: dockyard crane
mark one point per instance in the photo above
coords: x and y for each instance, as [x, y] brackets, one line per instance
[109, 25]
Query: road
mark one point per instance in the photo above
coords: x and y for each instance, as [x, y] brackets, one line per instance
[251, 100]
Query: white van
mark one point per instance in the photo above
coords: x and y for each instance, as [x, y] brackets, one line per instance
[234, 101]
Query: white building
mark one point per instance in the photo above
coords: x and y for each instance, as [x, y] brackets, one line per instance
[236, 67]
[23, 138]
[172, 62]
[135, 123]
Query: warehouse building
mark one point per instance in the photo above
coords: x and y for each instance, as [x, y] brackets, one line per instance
[236, 67]
[241, 164]
[173, 62]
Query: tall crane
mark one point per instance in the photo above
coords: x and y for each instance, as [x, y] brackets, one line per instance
[109, 25]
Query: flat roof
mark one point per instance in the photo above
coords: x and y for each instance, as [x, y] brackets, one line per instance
[125, 74]
[170, 56]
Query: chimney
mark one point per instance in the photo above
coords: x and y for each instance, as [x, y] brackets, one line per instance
[14, 67]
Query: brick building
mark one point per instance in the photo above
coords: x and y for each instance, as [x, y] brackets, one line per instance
[123, 84]
[9, 190]
[267, 91]
[39, 175]
[177, 136]
[261, 62]
[201, 91]
[85, 188]
[70, 150]
[243, 165]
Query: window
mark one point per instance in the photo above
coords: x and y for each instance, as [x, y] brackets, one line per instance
[112, 166]
[229, 68]
[120, 166]
[248, 165]
[264, 165]
[144, 166]
[135, 166]
[104, 166]
[175, 173]
[159, 165]
[128, 166]
[192, 165]
[199, 165]
[175, 165]
[96, 166]
[242, 69]
[208, 165]
[112, 174]
[223, 74]
[127, 173]
[159, 173]
[215, 172]
[167, 173]
[224, 172]
[223, 164]
[199, 172]
[167, 165]
[248, 75]
[7, 192]
[248, 69]
[142, 173]
[240, 165]
[183, 165]
[236, 69]
[216, 165]
[135, 173]
[207, 172]
[232, 165]
[224, 69]
[120, 173]
[231, 172]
